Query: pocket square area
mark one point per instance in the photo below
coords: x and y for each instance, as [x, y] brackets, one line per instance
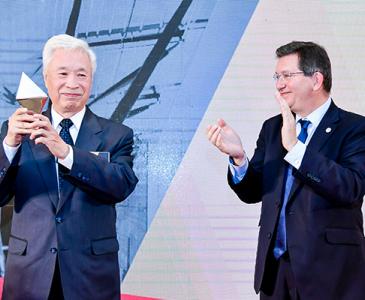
[104, 155]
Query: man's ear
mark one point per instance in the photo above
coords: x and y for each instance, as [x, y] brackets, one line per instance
[318, 79]
[45, 77]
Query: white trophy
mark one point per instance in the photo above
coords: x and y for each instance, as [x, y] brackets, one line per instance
[30, 95]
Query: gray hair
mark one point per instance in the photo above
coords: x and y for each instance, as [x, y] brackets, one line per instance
[66, 41]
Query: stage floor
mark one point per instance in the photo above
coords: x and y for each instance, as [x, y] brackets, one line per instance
[122, 296]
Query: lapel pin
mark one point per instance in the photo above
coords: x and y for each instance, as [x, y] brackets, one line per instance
[328, 129]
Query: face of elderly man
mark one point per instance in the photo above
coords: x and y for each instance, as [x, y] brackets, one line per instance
[68, 79]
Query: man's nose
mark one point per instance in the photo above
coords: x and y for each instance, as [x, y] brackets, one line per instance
[72, 81]
[280, 83]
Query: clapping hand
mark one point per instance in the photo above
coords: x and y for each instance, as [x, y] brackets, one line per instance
[226, 140]
[288, 131]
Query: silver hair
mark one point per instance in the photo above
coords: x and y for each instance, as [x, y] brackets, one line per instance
[66, 41]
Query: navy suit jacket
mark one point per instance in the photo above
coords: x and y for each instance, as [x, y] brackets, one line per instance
[78, 227]
[324, 221]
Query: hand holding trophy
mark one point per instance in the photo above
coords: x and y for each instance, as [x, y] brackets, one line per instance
[21, 122]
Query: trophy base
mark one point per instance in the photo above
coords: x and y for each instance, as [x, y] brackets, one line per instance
[35, 104]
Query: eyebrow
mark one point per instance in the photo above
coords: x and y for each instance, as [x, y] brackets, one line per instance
[65, 69]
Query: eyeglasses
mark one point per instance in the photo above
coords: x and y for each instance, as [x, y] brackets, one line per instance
[285, 75]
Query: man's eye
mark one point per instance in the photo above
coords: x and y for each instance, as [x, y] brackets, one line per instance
[81, 75]
[286, 75]
[62, 74]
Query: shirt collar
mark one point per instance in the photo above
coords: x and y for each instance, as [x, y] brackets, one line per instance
[316, 116]
[76, 118]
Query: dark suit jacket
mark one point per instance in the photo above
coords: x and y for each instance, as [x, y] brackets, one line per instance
[324, 221]
[79, 227]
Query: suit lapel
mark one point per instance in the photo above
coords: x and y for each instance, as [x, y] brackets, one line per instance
[276, 164]
[281, 168]
[87, 140]
[325, 129]
[46, 166]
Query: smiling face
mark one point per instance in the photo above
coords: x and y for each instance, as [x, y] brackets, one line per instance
[297, 90]
[68, 78]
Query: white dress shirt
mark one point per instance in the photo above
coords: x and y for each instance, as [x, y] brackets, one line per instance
[74, 131]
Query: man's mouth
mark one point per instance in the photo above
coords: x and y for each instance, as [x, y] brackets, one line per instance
[71, 95]
[284, 94]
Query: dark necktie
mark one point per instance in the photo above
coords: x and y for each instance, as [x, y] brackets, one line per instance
[65, 131]
[66, 136]
[280, 242]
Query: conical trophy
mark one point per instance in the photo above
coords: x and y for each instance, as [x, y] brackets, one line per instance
[30, 95]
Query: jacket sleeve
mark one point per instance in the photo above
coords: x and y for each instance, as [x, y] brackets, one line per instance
[106, 182]
[249, 190]
[7, 171]
[340, 179]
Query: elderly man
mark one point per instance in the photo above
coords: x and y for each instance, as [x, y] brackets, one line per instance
[63, 240]
[308, 171]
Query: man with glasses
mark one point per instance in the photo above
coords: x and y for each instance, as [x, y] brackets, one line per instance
[308, 171]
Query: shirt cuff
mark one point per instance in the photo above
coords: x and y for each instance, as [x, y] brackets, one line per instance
[238, 172]
[68, 160]
[10, 151]
[296, 154]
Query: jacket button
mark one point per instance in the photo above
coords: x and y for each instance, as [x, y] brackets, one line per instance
[59, 220]
[291, 212]
[53, 250]
[269, 235]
